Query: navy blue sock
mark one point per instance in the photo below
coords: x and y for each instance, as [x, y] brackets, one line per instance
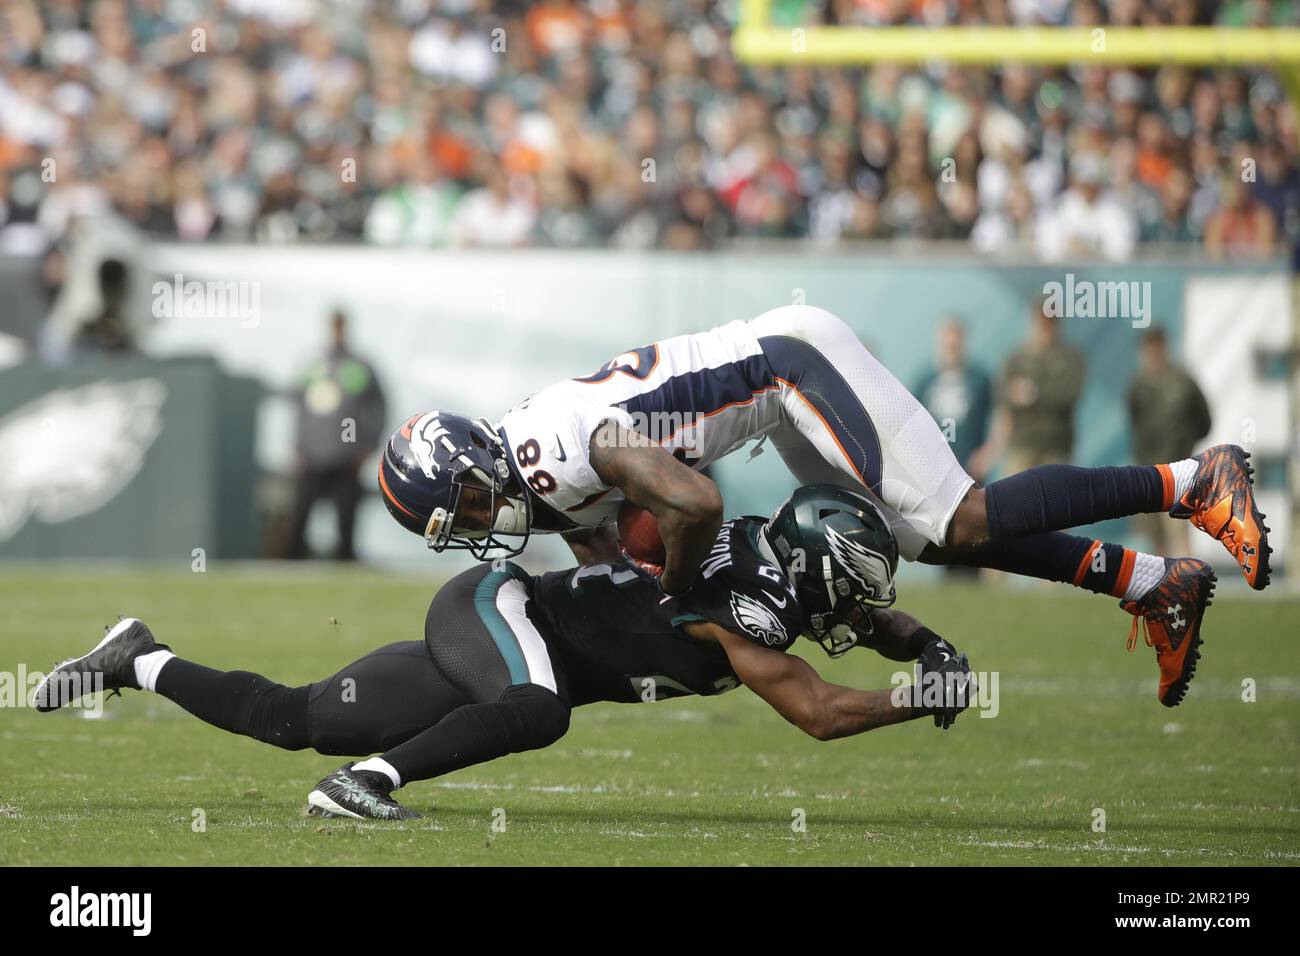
[1086, 563]
[1055, 497]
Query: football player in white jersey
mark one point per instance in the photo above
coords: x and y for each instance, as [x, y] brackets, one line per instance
[643, 425]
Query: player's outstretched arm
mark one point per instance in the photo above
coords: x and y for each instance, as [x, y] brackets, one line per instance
[896, 635]
[687, 505]
[796, 691]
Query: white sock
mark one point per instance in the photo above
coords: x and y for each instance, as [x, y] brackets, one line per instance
[1147, 572]
[1184, 471]
[380, 765]
[147, 667]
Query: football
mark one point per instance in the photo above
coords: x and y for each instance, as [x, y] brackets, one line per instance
[638, 530]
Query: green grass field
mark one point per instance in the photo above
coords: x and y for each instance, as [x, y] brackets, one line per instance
[715, 781]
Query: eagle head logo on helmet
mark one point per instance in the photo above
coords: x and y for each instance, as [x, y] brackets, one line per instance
[869, 569]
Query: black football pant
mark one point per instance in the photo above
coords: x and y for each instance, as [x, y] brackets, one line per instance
[466, 694]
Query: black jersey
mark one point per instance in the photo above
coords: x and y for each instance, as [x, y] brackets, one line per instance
[620, 639]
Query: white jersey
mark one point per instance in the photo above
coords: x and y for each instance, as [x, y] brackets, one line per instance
[834, 414]
[698, 396]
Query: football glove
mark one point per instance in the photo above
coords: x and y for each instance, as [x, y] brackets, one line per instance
[944, 673]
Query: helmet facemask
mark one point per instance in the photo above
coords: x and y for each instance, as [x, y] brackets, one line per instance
[850, 617]
[482, 467]
[856, 579]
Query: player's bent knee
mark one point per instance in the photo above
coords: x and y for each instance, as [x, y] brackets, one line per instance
[544, 717]
[807, 322]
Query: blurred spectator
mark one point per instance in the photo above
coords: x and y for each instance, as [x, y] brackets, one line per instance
[910, 207]
[1086, 219]
[1278, 187]
[1168, 415]
[566, 218]
[1037, 391]
[320, 121]
[417, 211]
[341, 414]
[959, 396]
[494, 215]
[1008, 229]
[107, 332]
[1172, 224]
[1242, 227]
[957, 393]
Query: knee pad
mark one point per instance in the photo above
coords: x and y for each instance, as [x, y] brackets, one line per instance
[541, 717]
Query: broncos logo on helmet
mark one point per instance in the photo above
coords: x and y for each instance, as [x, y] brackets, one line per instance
[427, 466]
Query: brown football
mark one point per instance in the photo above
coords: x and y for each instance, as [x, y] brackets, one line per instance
[638, 530]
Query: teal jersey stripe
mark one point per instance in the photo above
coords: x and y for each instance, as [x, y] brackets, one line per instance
[485, 604]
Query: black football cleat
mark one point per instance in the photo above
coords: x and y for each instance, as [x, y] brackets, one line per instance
[110, 666]
[360, 794]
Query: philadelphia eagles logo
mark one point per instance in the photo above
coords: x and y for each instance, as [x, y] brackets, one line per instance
[868, 568]
[69, 452]
[758, 620]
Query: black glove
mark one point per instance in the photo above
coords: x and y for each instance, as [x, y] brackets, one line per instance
[944, 674]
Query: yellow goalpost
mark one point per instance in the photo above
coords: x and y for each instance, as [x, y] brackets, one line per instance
[757, 41]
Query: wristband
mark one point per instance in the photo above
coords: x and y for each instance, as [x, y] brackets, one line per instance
[921, 638]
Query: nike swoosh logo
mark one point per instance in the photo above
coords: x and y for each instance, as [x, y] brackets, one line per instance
[560, 455]
[666, 599]
[781, 603]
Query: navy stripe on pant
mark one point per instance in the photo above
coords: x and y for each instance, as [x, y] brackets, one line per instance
[816, 379]
[706, 390]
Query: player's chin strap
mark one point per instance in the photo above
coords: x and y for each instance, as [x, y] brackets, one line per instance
[515, 517]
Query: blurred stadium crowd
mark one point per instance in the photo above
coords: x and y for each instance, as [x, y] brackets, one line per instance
[614, 123]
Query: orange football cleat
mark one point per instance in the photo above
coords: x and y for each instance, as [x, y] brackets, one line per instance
[1221, 502]
[1170, 614]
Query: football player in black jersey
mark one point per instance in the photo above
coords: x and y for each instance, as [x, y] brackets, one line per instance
[506, 656]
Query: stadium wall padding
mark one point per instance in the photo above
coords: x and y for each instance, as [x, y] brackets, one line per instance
[130, 459]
